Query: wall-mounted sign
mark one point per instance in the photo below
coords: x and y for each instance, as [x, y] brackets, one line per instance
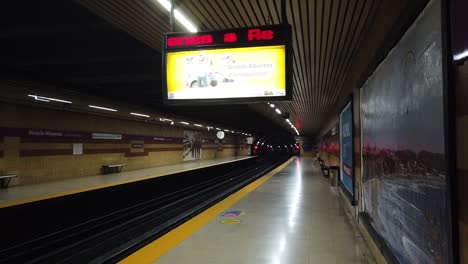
[192, 145]
[106, 136]
[346, 153]
[241, 65]
[77, 148]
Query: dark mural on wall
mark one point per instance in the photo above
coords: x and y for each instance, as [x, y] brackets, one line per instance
[403, 181]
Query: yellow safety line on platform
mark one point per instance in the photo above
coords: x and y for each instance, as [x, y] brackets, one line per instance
[159, 247]
[101, 186]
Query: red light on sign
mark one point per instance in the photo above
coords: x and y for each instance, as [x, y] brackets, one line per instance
[258, 34]
[230, 37]
[189, 40]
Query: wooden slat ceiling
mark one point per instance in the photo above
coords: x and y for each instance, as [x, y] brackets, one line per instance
[326, 34]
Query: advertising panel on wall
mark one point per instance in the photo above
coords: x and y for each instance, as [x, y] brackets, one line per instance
[403, 150]
[192, 145]
[346, 150]
[235, 65]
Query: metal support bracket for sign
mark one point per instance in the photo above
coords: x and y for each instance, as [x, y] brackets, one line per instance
[174, 3]
[284, 17]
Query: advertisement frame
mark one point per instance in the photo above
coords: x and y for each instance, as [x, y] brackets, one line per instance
[448, 98]
[286, 41]
[351, 196]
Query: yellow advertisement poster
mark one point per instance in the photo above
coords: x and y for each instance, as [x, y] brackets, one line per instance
[227, 73]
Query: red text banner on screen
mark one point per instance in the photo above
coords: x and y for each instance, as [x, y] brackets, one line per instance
[230, 66]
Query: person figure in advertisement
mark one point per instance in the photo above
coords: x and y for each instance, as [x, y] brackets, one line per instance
[203, 67]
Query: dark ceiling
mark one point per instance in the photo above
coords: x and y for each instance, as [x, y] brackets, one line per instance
[111, 48]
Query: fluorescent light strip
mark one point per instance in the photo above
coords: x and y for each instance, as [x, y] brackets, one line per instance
[197, 125]
[218, 128]
[272, 105]
[460, 55]
[181, 18]
[102, 108]
[278, 111]
[47, 99]
[185, 123]
[138, 114]
[42, 100]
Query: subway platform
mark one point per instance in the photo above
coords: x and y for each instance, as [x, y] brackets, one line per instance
[17, 195]
[291, 215]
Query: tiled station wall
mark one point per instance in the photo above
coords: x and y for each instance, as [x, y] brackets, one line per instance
[38, 160]
[330, 147]
[461, 95]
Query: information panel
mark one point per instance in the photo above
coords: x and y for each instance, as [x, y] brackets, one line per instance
[241, 65]
[346, 147]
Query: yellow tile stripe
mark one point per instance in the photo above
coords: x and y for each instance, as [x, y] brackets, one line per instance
[159, 247]
[70, 192]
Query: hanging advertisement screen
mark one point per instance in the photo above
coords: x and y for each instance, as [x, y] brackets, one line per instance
[226, 73]
[231, 66]
[346, 150]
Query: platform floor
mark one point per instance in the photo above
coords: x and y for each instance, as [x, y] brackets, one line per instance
[29, 193]
[295, 218]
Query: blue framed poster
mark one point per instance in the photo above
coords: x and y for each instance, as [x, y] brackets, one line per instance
[346, 147]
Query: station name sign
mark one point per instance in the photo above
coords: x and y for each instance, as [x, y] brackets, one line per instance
[228, 66]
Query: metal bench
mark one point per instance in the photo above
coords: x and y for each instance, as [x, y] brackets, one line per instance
[5, 180]
[112, 168]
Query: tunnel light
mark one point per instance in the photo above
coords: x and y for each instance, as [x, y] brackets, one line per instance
[138, 114]
[48, 99]
[197, 125]
[218, 128]
[181, 18]
[227, 130]
[287, 120]
[185, 123]
[102, 108]
[272, 105]
[460, 55]
[278, 111]
[172, 123]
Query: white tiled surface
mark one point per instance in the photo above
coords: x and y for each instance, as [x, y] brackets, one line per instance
[18, 193]
[294, 218]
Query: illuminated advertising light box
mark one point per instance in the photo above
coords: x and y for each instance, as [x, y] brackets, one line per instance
[231, 66]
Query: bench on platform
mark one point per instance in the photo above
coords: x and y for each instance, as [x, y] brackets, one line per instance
[5, 180]
[112, 168]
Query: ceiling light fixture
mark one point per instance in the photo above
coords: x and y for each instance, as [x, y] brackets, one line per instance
[272, 105]
[102, 108]
[48, 99]
[185, 123]
[181, 18]
[197, 125]
[278, 111]
[461, 55]
[138, 114]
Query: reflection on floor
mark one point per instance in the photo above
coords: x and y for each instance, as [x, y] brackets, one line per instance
[294, 218]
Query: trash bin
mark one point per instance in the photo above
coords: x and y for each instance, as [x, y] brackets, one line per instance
[334, 175]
